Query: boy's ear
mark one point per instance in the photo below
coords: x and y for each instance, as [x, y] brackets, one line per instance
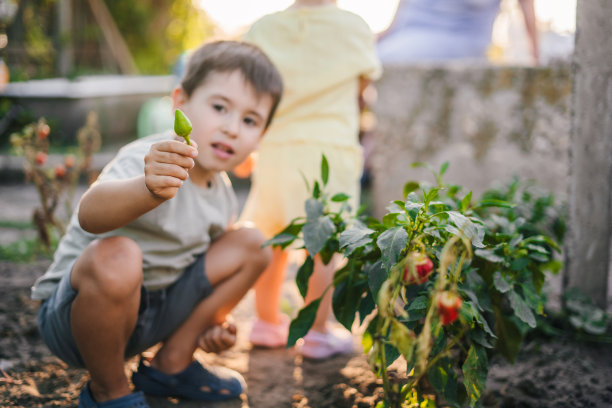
[179, 97]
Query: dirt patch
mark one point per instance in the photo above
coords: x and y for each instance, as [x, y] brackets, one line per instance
[548, 372]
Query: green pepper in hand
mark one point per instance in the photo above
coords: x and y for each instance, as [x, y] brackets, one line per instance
[182, 125]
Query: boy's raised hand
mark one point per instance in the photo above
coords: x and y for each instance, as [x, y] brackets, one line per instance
[167, 165]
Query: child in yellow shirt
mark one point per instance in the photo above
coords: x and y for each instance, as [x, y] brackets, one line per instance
[326, 57]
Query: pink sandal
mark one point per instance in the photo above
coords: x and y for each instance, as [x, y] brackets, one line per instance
[268, 335]
[320, 346]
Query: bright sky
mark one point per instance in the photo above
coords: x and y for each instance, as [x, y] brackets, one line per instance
[231, 15]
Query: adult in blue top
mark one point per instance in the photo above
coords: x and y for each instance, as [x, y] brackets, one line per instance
[439, 30]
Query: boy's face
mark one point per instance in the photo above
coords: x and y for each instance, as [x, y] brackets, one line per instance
[228, 120]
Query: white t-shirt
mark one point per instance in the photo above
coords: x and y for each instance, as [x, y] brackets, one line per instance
[170, 236]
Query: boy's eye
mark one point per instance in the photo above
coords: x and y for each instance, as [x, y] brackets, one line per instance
[250, 121]
[218, 107]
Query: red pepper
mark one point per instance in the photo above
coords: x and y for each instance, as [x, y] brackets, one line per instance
[41, 158]
[448, 304]
[423, 266]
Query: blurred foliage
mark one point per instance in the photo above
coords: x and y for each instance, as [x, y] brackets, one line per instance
[156, 33]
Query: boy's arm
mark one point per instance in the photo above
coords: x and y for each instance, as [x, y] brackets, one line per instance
[111, 204]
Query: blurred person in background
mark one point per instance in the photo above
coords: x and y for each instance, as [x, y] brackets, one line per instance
[441, 30]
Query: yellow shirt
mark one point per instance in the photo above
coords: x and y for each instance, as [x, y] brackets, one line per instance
[321, 52]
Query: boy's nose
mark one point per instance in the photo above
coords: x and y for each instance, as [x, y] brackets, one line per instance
[231, 125]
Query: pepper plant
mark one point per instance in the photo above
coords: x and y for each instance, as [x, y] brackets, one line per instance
[441, 280]
[55, 183]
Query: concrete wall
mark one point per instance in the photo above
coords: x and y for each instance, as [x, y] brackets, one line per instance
[65, 103]
[489, 123]
[589, 244]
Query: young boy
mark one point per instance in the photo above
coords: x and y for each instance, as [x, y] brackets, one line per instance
[151, 256]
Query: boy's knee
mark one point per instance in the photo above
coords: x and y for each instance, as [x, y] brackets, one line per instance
[255, 240]
[116, 265]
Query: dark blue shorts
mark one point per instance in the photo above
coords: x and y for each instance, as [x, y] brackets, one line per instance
[161, 312]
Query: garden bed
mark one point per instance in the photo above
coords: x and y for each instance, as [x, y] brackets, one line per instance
[548, 372]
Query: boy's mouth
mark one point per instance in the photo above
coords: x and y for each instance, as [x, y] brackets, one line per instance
[223, 148]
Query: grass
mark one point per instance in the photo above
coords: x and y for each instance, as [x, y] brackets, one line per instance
[25, 249]
[18, 225]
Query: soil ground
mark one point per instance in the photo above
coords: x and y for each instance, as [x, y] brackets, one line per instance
[548, 372]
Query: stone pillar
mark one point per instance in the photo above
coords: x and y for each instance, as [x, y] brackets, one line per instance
[590, 154]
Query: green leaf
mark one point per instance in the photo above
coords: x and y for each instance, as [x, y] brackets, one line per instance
[376, 276]
[303, 322]
[316, 190]
[391, 243]
[391, 353]
[519, 263]
[475, 371]
[345, 302]
[475, 232]
[417, 309]
[521, 309]
[303, 275]
[465, 202]
[324, 170]
[402, 338]
[316, 234]
[355, 237]
[282, 240]
[500, 283]
[495, 203]
[409, 187]
[443, 378]
[489, 255]
[366, 306]
[340, 197]
[478, 336]
[314, 208]
[443, 168]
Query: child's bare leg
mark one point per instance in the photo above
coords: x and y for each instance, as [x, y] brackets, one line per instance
[320, 279]
[108, 279]
[233, 264]
[269, 285]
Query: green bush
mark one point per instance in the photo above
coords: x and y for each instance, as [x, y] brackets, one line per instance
[489, 259]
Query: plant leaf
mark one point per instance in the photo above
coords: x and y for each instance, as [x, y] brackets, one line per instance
[345, 302]
[376, 276]
[316, 233]
[340, 197]
[475, 371]
[501, 283]
[355, 237]
[391, 243]
[303, 322]
[303, 275]
[409, 187]
[521, 309]
[324, 170]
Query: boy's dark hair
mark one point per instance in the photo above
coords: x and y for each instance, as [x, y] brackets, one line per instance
[228, 56]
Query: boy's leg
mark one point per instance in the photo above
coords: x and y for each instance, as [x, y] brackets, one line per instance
[232, 264]
[108, 279]
[268, 287]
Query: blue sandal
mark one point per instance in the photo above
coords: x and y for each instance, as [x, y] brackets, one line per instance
[133, 400]
[193, 383]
